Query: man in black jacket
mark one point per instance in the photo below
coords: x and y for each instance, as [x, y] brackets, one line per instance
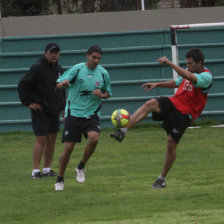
[37, 90]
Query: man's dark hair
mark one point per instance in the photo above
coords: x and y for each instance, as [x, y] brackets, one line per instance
[94, 48]
[196, 54]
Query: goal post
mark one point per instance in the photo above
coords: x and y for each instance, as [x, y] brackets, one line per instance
[174, 43]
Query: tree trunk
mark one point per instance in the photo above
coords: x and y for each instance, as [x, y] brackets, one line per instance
[139, 5]
[59, 8]
[88, 6]
[187, 3]
[106, 5]
[207, 3]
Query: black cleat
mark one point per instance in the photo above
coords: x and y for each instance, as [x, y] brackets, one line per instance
[36, 175]
[50, 174]
[159, 184]
[118, 135]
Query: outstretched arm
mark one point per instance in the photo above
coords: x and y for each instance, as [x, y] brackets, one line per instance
[181, 71]
[167, 84]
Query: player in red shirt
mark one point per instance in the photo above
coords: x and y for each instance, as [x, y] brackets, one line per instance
[178, 111]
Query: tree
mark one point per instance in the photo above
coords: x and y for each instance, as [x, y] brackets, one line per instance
[88, 6]
[200, 3]
[31, 8]
[188, 3]
[25, 7]
[47, 7]
[106, 5]
[125, 5]
[59, 7]
[139, 4]
[207, 3]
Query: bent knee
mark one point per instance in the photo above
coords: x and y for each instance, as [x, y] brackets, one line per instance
[93, 137]
[152, 105]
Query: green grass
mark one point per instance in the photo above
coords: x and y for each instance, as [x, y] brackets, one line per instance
[118, 181]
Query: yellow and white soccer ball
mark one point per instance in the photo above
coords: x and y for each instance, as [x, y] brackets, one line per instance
[120, 118]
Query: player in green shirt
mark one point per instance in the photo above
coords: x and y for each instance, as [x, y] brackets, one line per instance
[88, 84]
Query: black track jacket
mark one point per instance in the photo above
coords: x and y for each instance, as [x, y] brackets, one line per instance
[39, 86]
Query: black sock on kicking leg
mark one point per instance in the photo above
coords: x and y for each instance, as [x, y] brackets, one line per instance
[60, 179]
[81, 165]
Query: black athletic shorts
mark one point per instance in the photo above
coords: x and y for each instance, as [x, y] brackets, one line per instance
[174, 122]
[76, 126]
[44, 124]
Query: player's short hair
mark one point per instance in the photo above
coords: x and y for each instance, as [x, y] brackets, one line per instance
[196, 54]
[94, 48]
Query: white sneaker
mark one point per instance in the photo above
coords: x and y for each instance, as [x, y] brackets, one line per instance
[80, 175]
[59, 186]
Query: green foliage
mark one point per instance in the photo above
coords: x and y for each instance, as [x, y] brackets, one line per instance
[25, 7]
[219, 3]
[71, 6]
[201, 3]
[118, 181]
[43, 7]
[151, 4]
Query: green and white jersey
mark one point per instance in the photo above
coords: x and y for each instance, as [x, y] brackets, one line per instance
[80, 101]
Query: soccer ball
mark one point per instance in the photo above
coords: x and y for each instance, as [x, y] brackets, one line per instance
[120, 118]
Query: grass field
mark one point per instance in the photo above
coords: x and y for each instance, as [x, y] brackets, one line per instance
[118, 181]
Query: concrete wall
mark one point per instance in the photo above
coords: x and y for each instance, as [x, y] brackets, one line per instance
[107, 22]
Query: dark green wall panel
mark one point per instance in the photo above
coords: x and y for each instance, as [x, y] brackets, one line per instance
[129, 57]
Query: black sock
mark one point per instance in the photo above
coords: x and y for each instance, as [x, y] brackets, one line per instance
[81, 165]
[60, 179]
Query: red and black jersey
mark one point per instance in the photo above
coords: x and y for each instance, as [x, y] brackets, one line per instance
[190, 99]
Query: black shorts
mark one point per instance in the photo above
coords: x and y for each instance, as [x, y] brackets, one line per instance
[76, 126]
[174, 122]
[44, 124]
